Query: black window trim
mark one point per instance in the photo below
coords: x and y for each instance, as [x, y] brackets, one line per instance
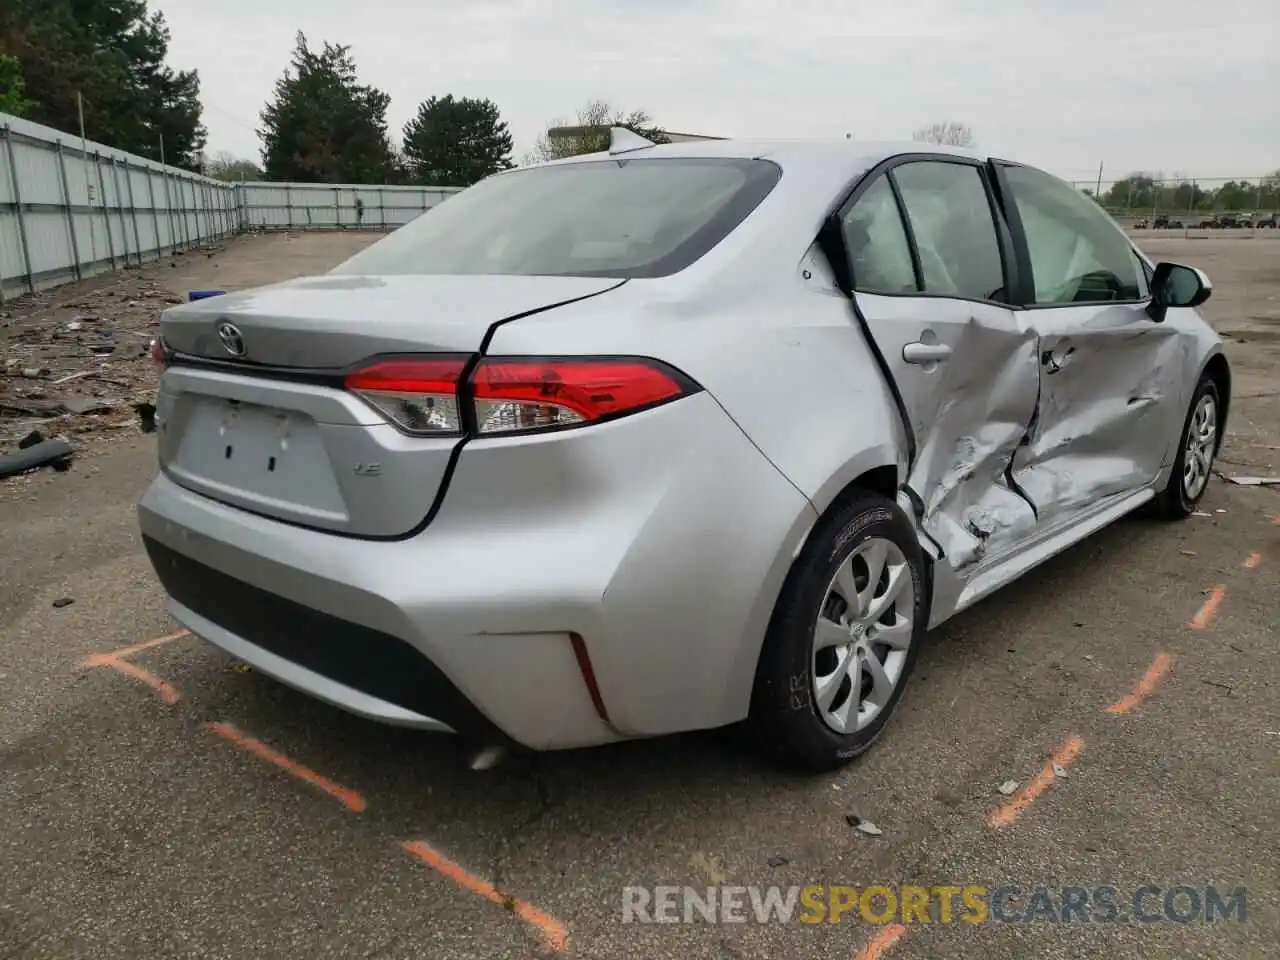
[1004, 236]
[1027, 291]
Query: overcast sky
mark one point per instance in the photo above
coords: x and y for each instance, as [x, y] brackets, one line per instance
[1180, 86]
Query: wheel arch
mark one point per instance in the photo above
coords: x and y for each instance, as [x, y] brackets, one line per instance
[883, 479]
[1219, 370]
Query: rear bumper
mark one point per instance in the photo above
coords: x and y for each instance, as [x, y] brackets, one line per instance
[365, 671]
[660, 540]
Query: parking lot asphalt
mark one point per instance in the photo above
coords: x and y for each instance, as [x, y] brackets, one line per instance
[165, 801]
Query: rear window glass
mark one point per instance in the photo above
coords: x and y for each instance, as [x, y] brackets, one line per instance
[624, 218]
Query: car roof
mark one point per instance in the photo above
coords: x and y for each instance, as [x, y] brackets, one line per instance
[813, 154]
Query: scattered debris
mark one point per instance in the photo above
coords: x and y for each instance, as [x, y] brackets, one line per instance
[1059, 771]
[862, 826]
[1089, 657]
[239, 666]
[72, 354]
[487, 758]
[63, 602]
[1008, 787]
[1188, 553]
[1219, 510]
[31, 439]
[72, 376]
[1252, 482]
[776, 862]
[1201, 513]
[146, 416]
[53, 453]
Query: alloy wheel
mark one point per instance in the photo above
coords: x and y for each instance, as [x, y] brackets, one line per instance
[862, 635]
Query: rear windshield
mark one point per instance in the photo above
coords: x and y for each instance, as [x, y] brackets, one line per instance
[623, 218]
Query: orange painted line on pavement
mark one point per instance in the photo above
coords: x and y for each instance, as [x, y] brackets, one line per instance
[1251, 562]
[1146, 686]
[168, 693]
[1009, 812]
[552, 931]
[879, 945]
[350, 799]
[148, 644]
[1209, 609]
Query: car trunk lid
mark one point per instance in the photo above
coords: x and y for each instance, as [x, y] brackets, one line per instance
[272, 430]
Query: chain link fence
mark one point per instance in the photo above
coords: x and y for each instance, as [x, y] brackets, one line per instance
[1192, 203]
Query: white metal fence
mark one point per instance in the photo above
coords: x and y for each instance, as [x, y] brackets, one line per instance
[305, 206]
[70, 210]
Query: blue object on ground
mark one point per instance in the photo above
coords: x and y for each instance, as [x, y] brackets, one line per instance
[194, 295]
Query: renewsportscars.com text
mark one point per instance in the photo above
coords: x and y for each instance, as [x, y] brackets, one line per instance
[972, 904]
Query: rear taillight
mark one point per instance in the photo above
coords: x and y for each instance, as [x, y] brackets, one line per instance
[517, 395]
[424, 395]
[419, 395]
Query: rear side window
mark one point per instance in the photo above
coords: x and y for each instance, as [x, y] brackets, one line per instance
[955, 234]
[626, 218]
[1078, 253]
[880, 256]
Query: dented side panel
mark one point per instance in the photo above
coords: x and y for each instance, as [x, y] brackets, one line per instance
[1111, 385]
[968, 414]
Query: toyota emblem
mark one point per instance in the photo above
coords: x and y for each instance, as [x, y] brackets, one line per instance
[231, 339]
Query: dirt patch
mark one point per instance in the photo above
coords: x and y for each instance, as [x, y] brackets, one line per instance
[76, 359]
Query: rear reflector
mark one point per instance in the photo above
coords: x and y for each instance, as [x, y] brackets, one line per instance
[424, 395]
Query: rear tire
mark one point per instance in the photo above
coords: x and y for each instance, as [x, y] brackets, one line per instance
[856, 594]
[1197, 447]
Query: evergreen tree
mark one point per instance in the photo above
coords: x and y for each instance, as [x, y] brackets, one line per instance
[323, 126]
[111, 53]
[455, 143]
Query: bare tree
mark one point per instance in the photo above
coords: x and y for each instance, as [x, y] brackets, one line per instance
[600, 115]
[224, 165]
[950, 133]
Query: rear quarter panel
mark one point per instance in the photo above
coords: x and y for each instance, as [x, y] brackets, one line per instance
[783, 356]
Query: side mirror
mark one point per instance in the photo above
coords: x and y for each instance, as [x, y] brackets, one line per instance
[1175, 285]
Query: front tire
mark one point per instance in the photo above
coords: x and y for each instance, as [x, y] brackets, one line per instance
[844, 637]
[1197, 447]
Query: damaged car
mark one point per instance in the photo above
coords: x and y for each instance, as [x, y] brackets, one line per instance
[672, 437]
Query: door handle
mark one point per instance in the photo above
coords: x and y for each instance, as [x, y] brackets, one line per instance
[925, 352]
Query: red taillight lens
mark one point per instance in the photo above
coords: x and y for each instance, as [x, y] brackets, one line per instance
[159, 355]
[418, 395]
[517, 395]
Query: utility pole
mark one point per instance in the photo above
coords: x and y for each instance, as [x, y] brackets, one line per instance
[1097, 192]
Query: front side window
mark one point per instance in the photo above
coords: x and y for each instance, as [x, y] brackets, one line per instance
[625, 218]
[879, 254]
[1078, 254]
[955, 234]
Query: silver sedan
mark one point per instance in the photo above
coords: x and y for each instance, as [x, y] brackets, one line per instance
[672, 437]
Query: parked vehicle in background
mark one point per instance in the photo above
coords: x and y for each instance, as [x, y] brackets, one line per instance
[1141, 223]
[1268, 222]
[672, 437]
